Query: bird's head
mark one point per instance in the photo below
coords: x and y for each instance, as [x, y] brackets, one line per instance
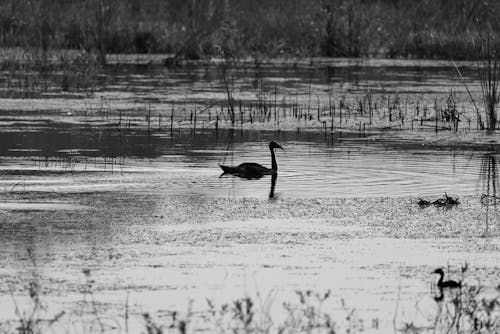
[438, 271]
[273, 145]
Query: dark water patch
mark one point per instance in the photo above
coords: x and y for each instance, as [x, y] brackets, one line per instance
[184, 162]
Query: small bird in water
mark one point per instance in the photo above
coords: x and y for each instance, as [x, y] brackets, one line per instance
[445, 284]
[251, 170]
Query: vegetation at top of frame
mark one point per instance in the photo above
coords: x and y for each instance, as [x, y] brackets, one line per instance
[197, 28]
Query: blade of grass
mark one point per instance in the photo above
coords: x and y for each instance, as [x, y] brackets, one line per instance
[481, 124]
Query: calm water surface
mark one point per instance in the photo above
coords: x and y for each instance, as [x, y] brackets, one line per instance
[141, 89]
[74, 159]
[148, 213]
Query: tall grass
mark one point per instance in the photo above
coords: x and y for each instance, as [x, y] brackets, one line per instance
[29, 72]
[225, 74]
[488, 72]
[273, 105]
[469, 309]
[193, 29]
[489, 76]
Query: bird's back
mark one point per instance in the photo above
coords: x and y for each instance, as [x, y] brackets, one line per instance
[450, 284]
[247, 170]
[253, 169]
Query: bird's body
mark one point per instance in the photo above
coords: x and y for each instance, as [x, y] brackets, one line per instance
[445, 284]
[248, 170]
[251, 170]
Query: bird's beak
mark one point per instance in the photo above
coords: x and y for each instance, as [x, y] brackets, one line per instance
[280, 147]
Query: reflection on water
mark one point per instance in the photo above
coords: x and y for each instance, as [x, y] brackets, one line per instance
[148, 212]
[489, 186]
[274, 177]
[489, 175]
[196, 82]
[69, 158]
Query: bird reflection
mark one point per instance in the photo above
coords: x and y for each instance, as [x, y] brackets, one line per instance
[440, 296]
[489, 174]
[274, 177]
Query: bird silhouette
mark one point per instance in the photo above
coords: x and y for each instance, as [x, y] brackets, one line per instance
[251, 170]
[445, 284]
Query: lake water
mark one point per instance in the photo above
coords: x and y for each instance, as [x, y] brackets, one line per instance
[146, 214]
[71, 158]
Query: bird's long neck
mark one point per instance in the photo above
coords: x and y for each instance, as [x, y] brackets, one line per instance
[274, 165]
[441, 277]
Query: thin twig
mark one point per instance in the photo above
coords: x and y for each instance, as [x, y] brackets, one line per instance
[481, 124]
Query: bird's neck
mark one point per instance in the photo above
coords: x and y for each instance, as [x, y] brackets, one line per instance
[440, 281]
[274, 165]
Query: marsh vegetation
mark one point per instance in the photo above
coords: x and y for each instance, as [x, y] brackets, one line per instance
[116, 114]
[196, 29]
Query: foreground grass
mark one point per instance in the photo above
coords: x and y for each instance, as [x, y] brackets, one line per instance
[468, 309]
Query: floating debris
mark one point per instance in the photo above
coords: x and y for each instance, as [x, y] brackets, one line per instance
[423, 202]
[440, 202]
[489, 200]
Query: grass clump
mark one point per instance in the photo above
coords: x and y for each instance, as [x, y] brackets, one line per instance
[27, 73]
[31, 316]
[466, 309]
[489, 76]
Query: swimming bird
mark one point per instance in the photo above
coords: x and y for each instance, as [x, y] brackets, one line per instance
[251, 170]
[445, 284]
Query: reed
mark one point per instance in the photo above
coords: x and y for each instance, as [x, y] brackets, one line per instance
[489, 75]
[364, 113]
[465, 309]
[228, 84]
[198, 29]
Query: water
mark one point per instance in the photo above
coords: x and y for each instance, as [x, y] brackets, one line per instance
[147, 215]
[72, 158]
[158, 89]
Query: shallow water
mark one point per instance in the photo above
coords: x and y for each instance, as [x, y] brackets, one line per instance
[69, 158]
[320, 83]
[151, 218]
[146, 214]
